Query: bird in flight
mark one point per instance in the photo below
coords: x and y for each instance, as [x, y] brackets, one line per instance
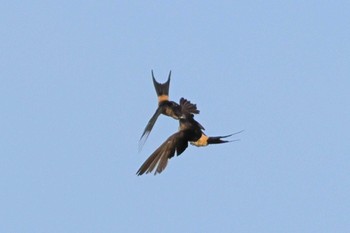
[189, 131]
[165, 107]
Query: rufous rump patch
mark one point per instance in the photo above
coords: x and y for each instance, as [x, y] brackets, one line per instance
[202, 141]
[163, 98]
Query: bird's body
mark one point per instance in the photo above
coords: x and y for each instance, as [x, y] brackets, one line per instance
[165, 107]
[189, 131]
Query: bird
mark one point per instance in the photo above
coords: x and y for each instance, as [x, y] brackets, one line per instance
[189, 131]
[165, 107]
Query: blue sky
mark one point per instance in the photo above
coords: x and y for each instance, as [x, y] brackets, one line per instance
[76, 93]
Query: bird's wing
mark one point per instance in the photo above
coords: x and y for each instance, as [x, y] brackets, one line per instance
[187, 107]
[159, 159]
[149, 127]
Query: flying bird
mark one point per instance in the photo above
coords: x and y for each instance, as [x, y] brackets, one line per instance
[189, 131]
[165, 107]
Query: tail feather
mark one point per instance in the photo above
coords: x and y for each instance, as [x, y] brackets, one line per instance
[162, 89]
[204, 140]
[218, 139]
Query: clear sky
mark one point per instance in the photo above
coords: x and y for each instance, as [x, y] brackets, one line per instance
[76, 93]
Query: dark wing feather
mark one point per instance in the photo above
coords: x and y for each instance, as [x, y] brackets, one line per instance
[149, 127]
[159, 158]
[187, 107]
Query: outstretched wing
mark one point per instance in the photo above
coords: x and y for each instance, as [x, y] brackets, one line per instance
[159, 158]
[187, 107]
[149, 127]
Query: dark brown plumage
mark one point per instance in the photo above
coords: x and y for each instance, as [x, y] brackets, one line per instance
[165, 107]
[189, 131]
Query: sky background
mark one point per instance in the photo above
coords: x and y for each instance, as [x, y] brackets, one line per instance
[76, 93]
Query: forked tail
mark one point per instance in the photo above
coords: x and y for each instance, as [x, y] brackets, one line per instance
[205, 140]
[162, 89]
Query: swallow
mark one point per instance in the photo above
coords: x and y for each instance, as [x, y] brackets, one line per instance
[165, 107]
[189, 131]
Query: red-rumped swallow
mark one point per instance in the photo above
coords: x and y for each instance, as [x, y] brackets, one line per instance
[165, 107]
[189, 131]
